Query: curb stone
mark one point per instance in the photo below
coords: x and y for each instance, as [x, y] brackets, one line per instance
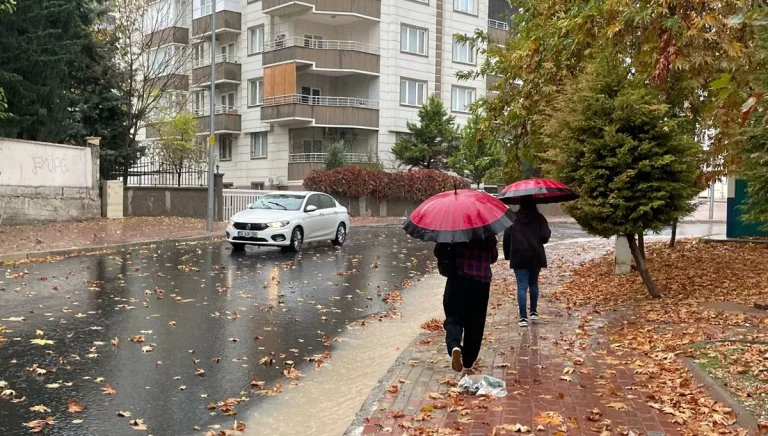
[744, 419]
[40, 256]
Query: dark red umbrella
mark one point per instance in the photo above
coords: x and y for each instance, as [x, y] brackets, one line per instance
[459, 216]
[544, 191]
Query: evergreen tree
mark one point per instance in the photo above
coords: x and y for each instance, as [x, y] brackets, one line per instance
[432, 140]
[620, 147]
[6, 7]
[477, 155]
[754, 169]
[44, 42]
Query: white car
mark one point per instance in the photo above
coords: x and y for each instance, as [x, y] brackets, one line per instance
[288, 220]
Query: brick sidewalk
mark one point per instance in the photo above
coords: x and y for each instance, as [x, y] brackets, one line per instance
[81, 235]
[562, 367]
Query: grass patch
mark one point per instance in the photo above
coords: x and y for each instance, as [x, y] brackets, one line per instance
[742, 369]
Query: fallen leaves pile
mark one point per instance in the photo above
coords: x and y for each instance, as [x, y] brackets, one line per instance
[708, 292]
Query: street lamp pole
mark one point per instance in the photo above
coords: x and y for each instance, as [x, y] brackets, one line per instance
[212, 117]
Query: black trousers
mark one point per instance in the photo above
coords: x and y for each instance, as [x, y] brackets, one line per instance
[465, 303]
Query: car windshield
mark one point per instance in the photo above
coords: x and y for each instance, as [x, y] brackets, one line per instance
[279, 202]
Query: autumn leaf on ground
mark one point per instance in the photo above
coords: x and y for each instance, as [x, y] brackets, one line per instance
[549, 418]
[435, 396]
[137, 424]
[108, 389]
[115, 341]
[393, 389]
[123, 414]
[39, 341]
[618, 406]
[199, 372]
[566, 378]
[74, 407]
[40, 408]
[568, 370]
[147, 349]
[137, 339]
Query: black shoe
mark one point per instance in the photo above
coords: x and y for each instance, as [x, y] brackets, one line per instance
[456, 359]
[523, 322]
[534, 316]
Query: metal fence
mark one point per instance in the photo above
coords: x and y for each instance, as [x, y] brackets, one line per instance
[236, 200]
[320, 44]
[159, 173]
[496, 24]
[318, 100]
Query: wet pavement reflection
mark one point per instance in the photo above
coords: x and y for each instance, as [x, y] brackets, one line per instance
[198, 307]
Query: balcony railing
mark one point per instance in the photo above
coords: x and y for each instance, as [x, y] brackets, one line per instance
[496, 24]
[321, 101]
[320, 157]
[197, 63]
[220, 109]
[321, 44]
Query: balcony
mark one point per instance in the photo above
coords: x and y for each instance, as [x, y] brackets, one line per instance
[363, 8]
[170, 82]
[296, 109]
[228, 70]
[498, 30]
[169, 35]
[226, 120]
[324, 54]
[226, 22]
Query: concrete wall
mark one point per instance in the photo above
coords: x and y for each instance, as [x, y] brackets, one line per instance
[189, 202]
[42, 182]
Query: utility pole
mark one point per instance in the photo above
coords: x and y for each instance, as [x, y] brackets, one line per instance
[212, 116]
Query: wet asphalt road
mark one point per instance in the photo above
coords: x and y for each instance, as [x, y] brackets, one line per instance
[198, 307]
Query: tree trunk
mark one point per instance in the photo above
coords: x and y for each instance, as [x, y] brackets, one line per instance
[673, 238]
[641, 243]
[642, 268]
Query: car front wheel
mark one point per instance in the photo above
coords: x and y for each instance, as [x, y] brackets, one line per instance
[341, 235]
[297, 240]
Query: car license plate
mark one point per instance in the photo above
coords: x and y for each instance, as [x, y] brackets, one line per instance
[248, 234]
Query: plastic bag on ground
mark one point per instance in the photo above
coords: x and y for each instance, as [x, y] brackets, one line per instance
[480, 384]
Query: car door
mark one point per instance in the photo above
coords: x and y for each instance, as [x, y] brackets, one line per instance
[330, 216]
[313, 221]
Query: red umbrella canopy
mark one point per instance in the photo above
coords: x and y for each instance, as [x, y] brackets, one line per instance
[543, 191]
[459, 216]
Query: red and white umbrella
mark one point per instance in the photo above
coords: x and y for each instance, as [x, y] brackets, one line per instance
[459, 216]
[544, 191]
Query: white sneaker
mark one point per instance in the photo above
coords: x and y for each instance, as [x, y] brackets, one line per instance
[523, 322]
[534, 316]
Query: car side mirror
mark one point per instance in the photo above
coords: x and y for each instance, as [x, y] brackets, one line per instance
[310, 208]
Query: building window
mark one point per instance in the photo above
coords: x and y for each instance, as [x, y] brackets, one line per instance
[225, 148]
[413, 40]
[401, 135]
[206, 7]
[463, 52]
[461, 98]
[257, 186]
[466, 6]
[258, 145]
[256, 40]
[199, 102]
[227, 103]
[255, 91]
[412, 92]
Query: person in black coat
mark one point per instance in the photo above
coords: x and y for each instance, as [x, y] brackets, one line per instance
[524, 248]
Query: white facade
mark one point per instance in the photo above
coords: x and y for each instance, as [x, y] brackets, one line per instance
[276, 133]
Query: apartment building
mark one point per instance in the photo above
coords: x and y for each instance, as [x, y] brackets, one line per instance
[294, 77]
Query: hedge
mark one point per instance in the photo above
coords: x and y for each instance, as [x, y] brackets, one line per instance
[355, 181]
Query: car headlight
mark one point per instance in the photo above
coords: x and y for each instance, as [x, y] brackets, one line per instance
[278, 224]
[231, 222]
